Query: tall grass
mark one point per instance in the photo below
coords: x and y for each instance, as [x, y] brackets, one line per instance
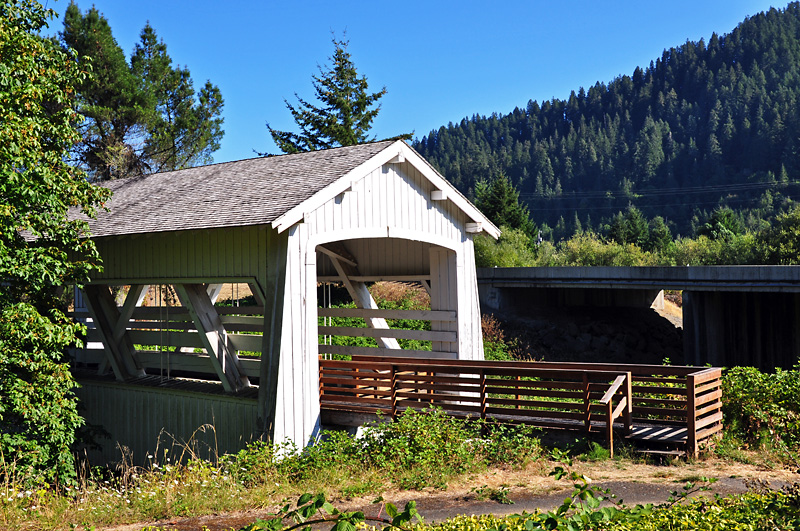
[419, 449]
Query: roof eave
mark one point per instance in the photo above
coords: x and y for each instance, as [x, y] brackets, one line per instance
[456, 197]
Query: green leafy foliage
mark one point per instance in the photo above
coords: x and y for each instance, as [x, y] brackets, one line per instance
[38, 411]
[346, 112]
[495, 345]
[141, 117]
[418, 449]
[723, 224]
[422, 448]
[41, 249]
[781, 241]
[310, 510]
[762, 409]
[588, 248]
[512, 249]
[746, 512]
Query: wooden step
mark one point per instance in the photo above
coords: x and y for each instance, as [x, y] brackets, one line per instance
[653, 434]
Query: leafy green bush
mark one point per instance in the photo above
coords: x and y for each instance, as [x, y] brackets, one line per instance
[421, 449]
[733, 250]
[38, 409]
[746, 512]
[781, 242]
[587, 249]
[762, 408]
[416, 450]
[512, 249]
[495, 345]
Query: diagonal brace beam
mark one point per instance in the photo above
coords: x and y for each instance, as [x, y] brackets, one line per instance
[134, 298]
[213, 336]
[359, 293]
[111, 324]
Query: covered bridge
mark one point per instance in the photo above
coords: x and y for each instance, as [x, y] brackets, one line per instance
[279, 225]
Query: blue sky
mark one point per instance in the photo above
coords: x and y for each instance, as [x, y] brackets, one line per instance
[440, 61]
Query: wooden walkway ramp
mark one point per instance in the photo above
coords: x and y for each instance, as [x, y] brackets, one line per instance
[662, 408]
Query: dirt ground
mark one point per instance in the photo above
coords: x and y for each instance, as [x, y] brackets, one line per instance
[531, 489]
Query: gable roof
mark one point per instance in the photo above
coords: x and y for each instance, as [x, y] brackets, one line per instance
[269, 190]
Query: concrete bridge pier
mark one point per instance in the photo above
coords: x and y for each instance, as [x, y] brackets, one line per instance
[730, 328]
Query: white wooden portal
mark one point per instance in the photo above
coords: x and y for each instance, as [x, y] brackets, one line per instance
[281, 225]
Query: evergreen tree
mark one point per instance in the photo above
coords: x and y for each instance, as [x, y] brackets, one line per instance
[141, 117]
[631, 227]
[723, 223]
[498, 199]
[699, 124]
[660, 236]
[346, 112]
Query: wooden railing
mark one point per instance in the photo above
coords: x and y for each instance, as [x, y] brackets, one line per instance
[578, 396]
[155, 330]
[571, 399]
[443, 332]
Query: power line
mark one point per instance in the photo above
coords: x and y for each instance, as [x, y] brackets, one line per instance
[607, 194]
[616, 207]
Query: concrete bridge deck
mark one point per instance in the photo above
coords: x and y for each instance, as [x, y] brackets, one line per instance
[732, 315]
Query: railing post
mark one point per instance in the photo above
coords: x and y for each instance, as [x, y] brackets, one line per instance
[483, 401]
[321, 369]
[483, 394]
[519, 406]
[628, 419]
[610, 434]
[587, 410]
[393, 384]
[691, 416]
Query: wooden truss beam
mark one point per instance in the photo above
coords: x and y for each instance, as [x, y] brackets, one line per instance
[358, 290]
[337, 251]
[112, 326]
[135, 296]
[213, 336]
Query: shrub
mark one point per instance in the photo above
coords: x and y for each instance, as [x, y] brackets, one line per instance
[495, 345]
[421, 449]
[587, 249]
[762, 408]
[38, 409]
[512, 249]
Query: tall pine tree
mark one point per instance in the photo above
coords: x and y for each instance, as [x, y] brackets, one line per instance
[141, 117]
[499, 201]
[346, 112]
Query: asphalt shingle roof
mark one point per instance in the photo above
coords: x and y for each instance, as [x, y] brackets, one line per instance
[246, 192]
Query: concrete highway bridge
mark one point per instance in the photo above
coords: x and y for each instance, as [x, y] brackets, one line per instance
[732, 315]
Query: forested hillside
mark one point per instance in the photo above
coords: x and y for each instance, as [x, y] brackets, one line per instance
[707, 124]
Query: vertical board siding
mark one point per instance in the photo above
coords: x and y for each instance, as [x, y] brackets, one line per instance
[297, 409]
[230, 252]
[146, 419]
[396, 196]
[240, 252]
[383, 256]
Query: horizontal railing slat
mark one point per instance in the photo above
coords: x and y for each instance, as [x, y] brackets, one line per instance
[341, 350]
[397, 333]
[422, 315]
